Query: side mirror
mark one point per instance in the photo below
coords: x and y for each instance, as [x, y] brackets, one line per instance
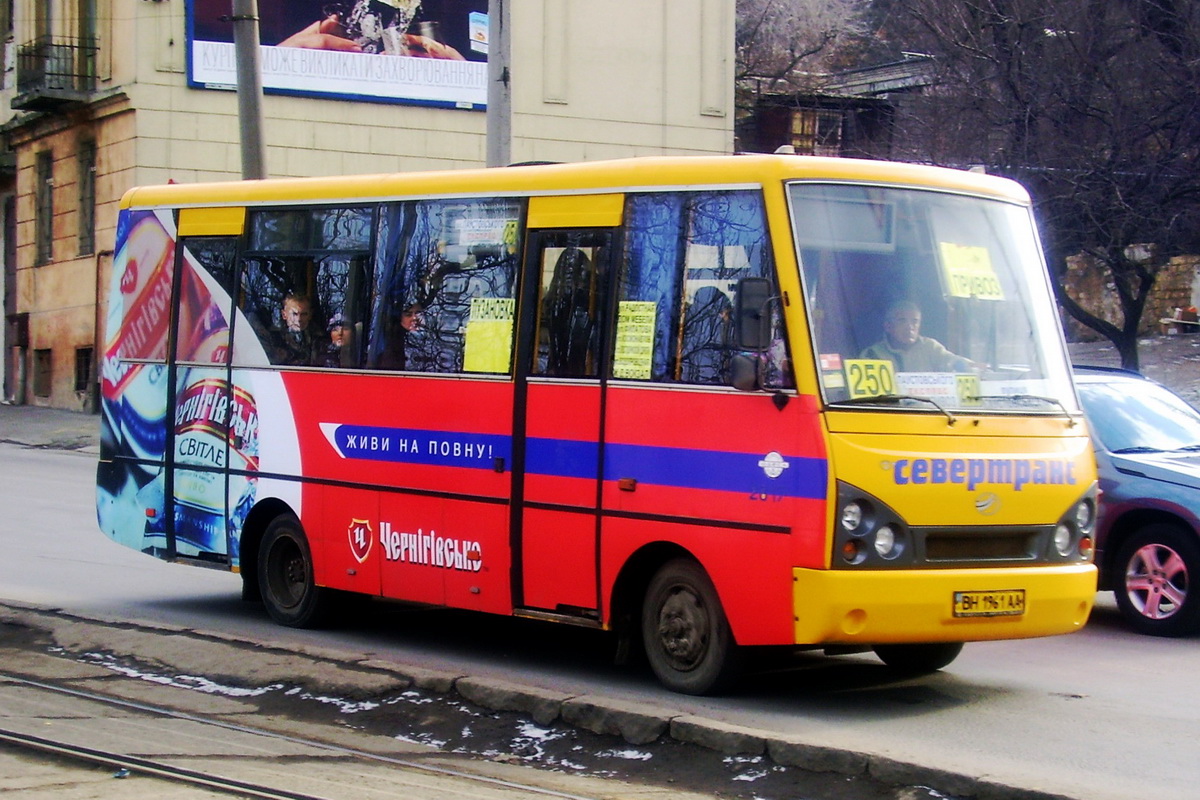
[751, 311]
[743, 373]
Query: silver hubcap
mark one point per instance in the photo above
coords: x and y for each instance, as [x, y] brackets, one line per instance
[1156, 581]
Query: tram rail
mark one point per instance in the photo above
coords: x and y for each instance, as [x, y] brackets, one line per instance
[344, 761]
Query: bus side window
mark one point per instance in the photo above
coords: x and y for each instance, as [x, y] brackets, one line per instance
[444, 286]
[684, 254]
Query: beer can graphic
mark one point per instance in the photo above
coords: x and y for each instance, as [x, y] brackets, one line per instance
[201, 422]
[216, 430]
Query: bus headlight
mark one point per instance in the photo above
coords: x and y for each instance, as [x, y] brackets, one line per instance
[867, 533]
[1062, 539]
[1085, 514]
[852, 516]
[1073, 538]
[885, 542]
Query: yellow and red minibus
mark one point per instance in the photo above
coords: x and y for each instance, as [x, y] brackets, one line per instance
[668, 397]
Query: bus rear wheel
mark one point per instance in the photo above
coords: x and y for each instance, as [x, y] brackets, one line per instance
[285, 576]
[918, 659]
[687, 638]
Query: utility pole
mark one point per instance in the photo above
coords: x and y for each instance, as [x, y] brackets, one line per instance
[249, 89]
[499, 93]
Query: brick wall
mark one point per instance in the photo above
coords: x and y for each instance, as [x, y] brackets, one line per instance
[1092, 288]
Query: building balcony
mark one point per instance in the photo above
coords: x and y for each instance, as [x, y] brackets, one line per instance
[55, 72]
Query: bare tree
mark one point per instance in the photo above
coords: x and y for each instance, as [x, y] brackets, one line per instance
[781, 44]
[1093, 104]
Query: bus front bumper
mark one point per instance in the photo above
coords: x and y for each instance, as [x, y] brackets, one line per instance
[885, 607]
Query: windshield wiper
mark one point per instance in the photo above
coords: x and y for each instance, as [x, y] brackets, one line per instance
[1188, 448]
[1141, 448]
[894, 398]
[1016, 398]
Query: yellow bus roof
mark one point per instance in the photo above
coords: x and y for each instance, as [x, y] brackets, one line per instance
[628, 174]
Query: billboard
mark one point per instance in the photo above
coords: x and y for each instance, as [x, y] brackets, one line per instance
[425, 52]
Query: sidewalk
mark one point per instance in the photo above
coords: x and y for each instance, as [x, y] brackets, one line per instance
[53, 428]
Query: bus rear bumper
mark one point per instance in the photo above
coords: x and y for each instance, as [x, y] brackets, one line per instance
[880, 607]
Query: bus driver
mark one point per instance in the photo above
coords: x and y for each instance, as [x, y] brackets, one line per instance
[907, 349]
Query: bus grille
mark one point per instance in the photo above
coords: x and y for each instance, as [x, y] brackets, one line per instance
[989, 546]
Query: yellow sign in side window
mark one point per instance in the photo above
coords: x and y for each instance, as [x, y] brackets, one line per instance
[969, 272]
[869, 377]
[634, 356]
[488, 346]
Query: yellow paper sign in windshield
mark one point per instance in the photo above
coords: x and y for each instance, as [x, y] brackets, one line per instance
[869, 377]
[488, 347]
[969, 272]
[634, 356]
[969, 390]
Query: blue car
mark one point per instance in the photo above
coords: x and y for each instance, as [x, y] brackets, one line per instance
[1148, 533]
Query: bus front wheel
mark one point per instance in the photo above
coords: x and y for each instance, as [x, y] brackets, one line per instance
[285, 576]
[687, 638]
[918, 659]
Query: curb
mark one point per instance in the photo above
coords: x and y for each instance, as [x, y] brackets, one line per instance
[328, 670]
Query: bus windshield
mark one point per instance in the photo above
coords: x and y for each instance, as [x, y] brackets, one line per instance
[930, 296]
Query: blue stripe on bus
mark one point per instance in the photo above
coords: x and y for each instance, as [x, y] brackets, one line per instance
[563, 458]
[795, 476]
[688, 468]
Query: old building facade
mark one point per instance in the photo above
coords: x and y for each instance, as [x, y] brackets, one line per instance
[111, 94]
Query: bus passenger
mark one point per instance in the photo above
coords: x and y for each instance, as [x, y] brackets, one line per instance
[907, 349]
[296, 343]
[338, 351]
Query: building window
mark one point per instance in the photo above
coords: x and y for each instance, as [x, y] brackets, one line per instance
[41, 373]
[816, 132]
[83, 369]
[87, 197]
[44, 215]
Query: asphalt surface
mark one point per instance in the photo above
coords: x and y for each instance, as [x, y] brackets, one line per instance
[1173, 360]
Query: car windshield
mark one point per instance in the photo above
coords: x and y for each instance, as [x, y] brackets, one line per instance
[928, 300]
[1130, 416]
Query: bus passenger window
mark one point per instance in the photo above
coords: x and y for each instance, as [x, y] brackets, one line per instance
[684, 255]
[444, 298]
[303, 269]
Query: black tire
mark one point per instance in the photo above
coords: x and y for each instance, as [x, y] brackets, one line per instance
[687, 638]
[918, 659]
[1152, 580]
[285, 576]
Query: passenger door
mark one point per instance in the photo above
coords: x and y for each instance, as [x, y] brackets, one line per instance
[558, 432]
[203, 439]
